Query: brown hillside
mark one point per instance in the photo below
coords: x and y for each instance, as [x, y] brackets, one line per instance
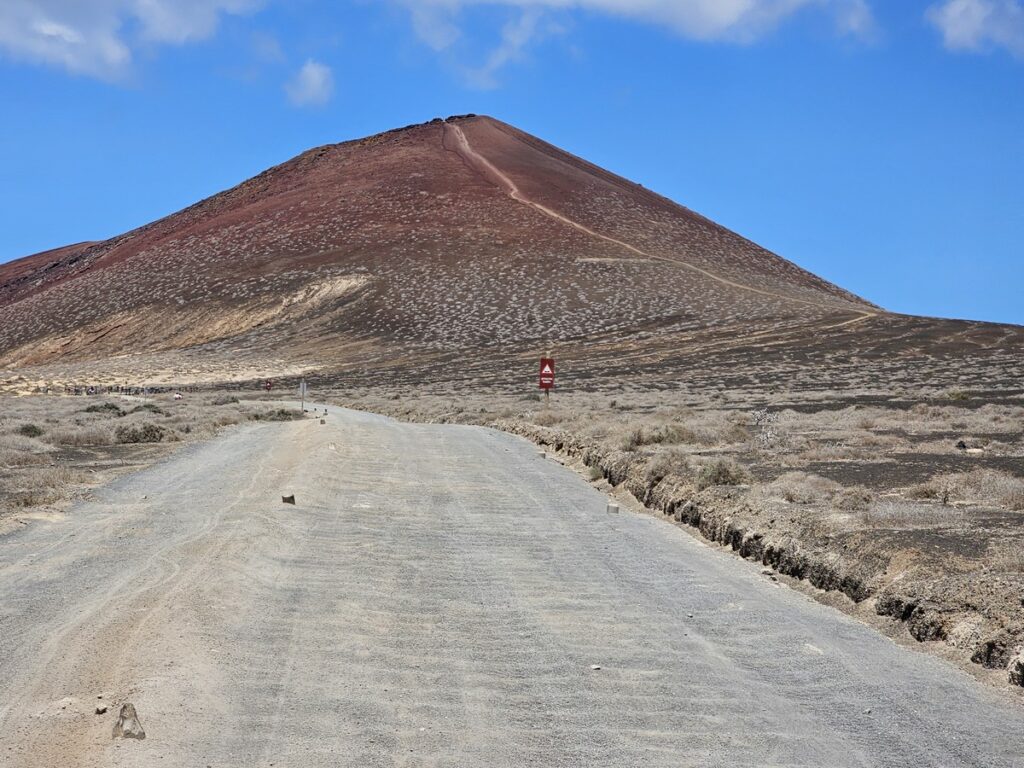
[388, 257]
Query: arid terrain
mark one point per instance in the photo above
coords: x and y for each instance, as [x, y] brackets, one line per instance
[436, 595]
[421, 273]
[53, 450]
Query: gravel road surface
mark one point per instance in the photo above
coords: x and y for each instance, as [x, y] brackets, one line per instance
[438, 596]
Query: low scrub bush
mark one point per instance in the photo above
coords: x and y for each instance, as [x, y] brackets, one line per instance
[30, 430]
[903, 514]
[144, 433]
[46, 486]
[984, 486]
[82, 436]
[670, 463]
[15, 443]
[11, 457]
[668, 434]
[279, 414]
[109, 409]
[804, 488]
[855, 499]
[932, 490]
[547, 418]
[1010, 559]
[149, 408]
[720, 472]
[633, 439]
[36, 497]
[1014, 500]
[831, 452]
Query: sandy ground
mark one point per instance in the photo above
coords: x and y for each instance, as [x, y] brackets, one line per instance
[438, 596]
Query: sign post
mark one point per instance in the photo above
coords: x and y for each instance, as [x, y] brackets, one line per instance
[547, 376]
[302, 394]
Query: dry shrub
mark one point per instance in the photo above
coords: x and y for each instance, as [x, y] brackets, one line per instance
[547, 418]
[987, 486]
[831, 452]
[11, 458]
[36, 497]
[673, 434]
[865, 439]
[717, 428]
[46, 486]
[1009, 559]
[926, 411]
[82, 436]
[278, 414]
[145, 433]
[668, 464]
[926, 491]
[149, 408]
[634, 439]
[106, 409]
[904, 515]
[19, 451]
[20, 443]
[30, 430]
[720, 472]
[668, 434]
[853, 499]
[804, 488]
[1014, 500]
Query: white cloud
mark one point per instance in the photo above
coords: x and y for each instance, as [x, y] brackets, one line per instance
[731, 20]
[975, 25]
[855, 18]
[312, 86]
[736, 21]
[266, 48]
[182, 21]
[433, 26]
[88, 36]
[515, 36]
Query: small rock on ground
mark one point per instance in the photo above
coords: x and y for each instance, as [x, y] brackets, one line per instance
[1016, 669]
[128, 725]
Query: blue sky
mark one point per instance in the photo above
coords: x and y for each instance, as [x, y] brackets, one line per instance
[878, 144]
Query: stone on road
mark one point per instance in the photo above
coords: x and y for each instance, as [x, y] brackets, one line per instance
[443, 596]
[128, 725]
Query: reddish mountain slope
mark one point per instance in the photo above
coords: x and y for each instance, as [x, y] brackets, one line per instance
[390, 255]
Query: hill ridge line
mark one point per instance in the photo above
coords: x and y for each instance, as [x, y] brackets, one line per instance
[492, 173]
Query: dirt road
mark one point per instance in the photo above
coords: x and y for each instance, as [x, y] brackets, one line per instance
[438, 596]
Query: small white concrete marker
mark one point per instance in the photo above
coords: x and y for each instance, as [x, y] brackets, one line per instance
[613, 508]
